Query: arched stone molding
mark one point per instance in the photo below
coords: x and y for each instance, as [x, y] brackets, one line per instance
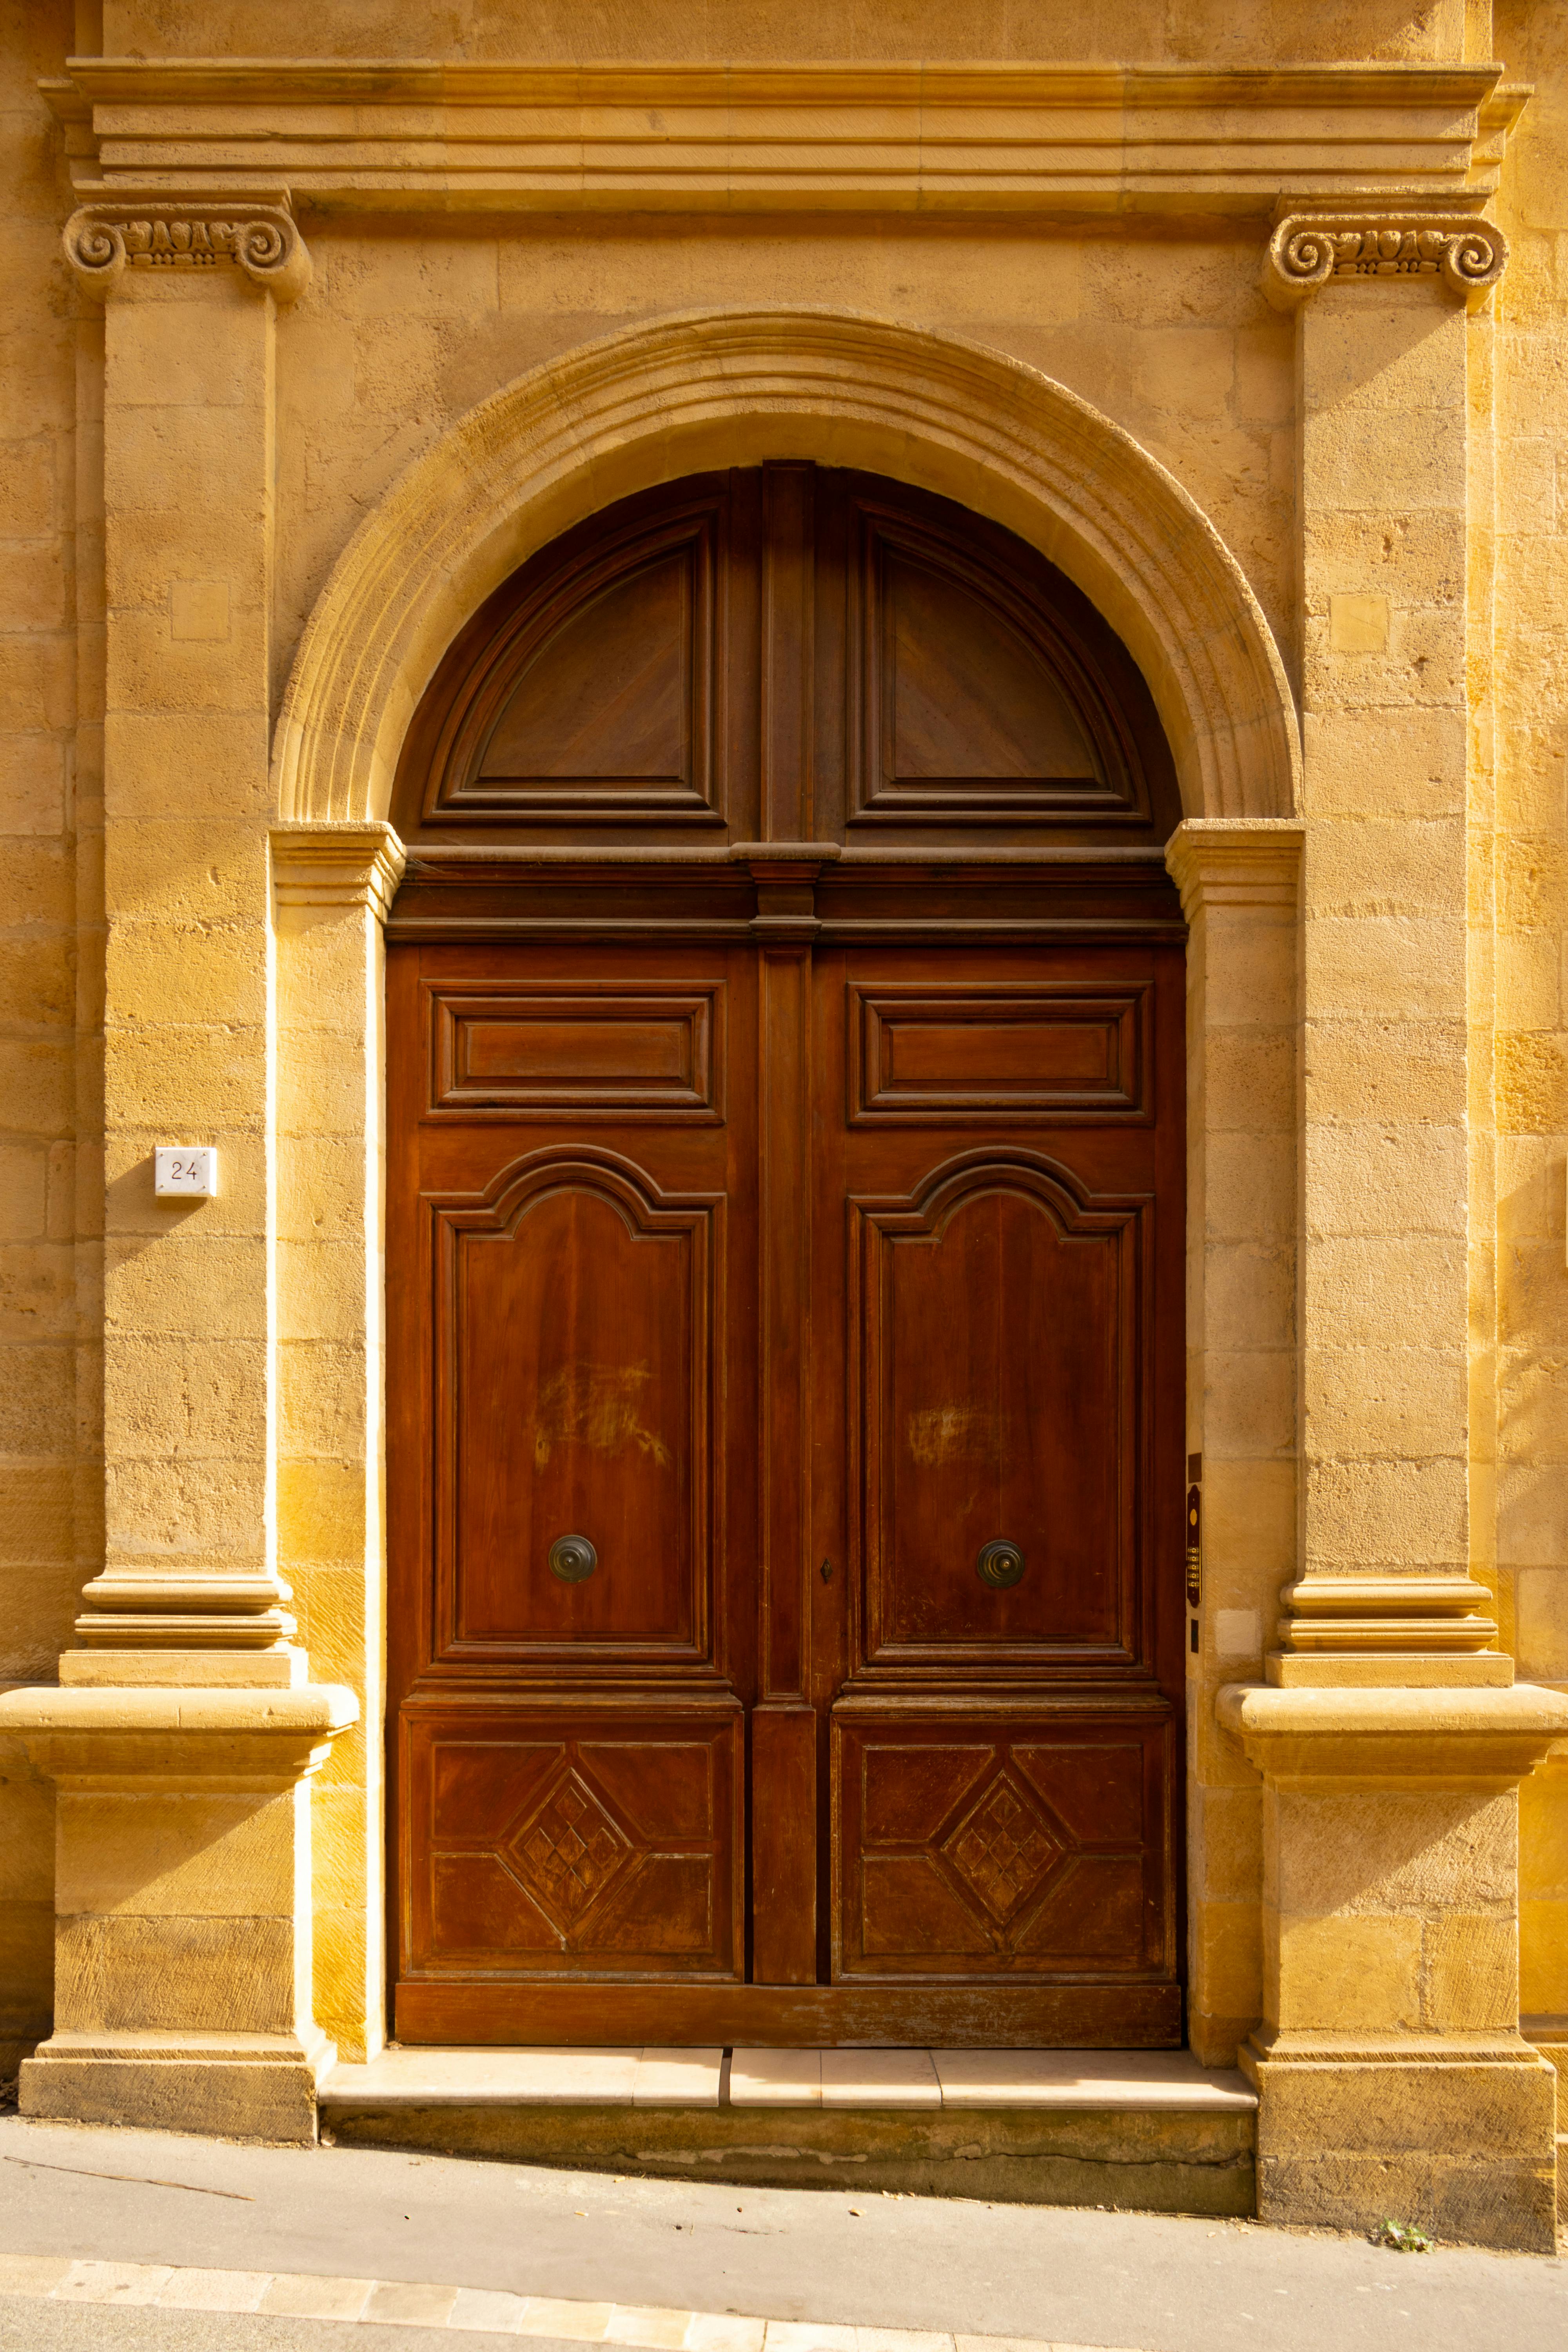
[733, 387]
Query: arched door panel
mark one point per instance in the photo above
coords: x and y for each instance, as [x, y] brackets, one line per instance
[787, 653]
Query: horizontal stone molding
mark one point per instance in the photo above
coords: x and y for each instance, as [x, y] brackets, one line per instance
[136, 1610]
[731, 387]
[337, 865]
[122, 227]
[1333, 1614]
[1432, 1738]
[1309, 251]
[121, 1738]
[969, 137]
[1237, 861]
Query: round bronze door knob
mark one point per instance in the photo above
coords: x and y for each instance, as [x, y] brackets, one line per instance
[1000, 1564]
[573, 1557]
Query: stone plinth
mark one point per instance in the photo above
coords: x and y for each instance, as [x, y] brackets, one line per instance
[183, 1912]
[1393, 2080]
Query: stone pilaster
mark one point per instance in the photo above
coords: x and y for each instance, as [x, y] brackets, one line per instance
[189, 1590]
[332, 886]
[1241, 884]
[184, 1735]
[1383, 1592]
[183, 1918]
[1392, 2077]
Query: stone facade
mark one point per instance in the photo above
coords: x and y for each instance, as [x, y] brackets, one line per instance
[1273, 365]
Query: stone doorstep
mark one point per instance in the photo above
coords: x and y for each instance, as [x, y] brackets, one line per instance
[481, 2311]
[1158, 2081]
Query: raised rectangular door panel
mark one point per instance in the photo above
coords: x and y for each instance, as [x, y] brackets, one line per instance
[513, 1050]
[601, 1838]
[923, 1052]
[1010, 1844]
[576, 1395]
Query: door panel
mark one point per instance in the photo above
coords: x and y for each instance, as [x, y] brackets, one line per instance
[601, 1838]
[1003, 1751]
[1016, 1847]
[595, 701]
[520, 1052]
[922, 1053]
[998, 1341]
[572, 1249]
[578, 1319]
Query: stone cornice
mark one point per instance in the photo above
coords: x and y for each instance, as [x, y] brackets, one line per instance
[1311, 249]
[200, 226]
[337, 865]
[964, 137]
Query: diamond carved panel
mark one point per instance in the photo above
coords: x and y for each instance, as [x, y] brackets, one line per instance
[569, 1851]
[1014, 1849]
[577, 1839]
[1001, 1849]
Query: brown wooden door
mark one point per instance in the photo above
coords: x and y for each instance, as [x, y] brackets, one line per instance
[784, 1280]
[794, 1284]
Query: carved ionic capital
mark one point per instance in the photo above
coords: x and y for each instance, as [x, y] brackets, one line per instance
[1309, 251]
[251, 229]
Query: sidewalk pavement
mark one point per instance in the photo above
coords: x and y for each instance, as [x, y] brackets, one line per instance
[558, 2250]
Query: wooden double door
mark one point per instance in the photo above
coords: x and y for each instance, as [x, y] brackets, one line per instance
[786, 1475]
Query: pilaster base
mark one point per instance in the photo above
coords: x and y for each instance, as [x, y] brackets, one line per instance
[1394, 2083]
[182, 1902]
[260, 2086]
[1453, 2133]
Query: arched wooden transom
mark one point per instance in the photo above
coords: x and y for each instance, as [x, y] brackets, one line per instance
[787, 653]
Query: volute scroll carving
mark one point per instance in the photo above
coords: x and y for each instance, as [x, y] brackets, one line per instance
[252, 228]
[1309, 251]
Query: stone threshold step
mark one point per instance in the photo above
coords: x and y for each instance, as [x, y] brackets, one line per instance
[1133, 2082]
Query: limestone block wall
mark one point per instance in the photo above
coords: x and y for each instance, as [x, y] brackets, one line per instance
[406, 326]
[1530, 881]
[49, 812]
[1439, 765]
[1188, 32]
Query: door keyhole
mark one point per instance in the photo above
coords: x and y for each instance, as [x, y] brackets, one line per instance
[826, 1572]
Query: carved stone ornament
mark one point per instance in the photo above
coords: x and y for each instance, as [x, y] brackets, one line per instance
[1306, 250]
[250, 228]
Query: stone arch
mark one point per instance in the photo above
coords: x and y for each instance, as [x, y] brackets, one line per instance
[733, 387]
